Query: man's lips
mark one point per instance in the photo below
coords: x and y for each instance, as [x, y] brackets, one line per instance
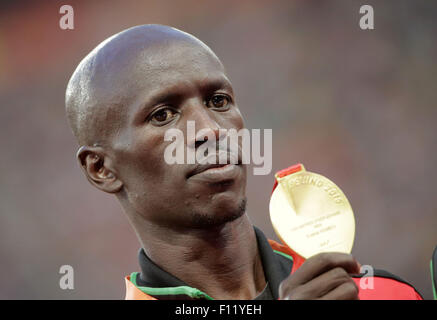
[217, 173]
[203, 167]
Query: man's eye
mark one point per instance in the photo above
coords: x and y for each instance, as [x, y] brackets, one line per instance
[219, 101]
[162, 116]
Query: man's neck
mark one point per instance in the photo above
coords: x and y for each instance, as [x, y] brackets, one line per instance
[223, 262]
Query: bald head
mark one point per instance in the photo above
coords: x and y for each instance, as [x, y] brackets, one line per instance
[123, 99]
[110, 77]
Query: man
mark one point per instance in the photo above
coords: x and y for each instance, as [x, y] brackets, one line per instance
[197, 241]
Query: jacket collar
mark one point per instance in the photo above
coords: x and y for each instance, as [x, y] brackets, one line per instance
[157, 283]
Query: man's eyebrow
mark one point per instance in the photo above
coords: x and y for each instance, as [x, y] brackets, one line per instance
[161, 97]
[216, 84]
[156, 98]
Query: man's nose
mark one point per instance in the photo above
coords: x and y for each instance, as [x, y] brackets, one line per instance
[205, 125]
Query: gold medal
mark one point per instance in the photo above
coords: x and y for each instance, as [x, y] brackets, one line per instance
[310, 214]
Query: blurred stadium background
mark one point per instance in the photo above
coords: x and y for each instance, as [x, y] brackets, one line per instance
[356, 106]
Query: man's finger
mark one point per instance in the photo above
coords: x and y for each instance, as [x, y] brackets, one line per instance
[322, 263]
[326, 282]
[346, 291]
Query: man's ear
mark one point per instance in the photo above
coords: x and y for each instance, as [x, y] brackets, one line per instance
[95, 165]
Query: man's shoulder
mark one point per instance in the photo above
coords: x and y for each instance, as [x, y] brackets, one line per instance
[378, 284]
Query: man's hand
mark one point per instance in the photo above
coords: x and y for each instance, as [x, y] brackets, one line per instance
[324, 276]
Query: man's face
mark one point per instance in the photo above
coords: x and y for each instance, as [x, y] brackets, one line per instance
[169, 88]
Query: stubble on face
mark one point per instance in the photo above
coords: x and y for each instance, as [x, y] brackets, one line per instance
[204, 220]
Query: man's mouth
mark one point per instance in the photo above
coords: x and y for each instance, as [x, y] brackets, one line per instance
[202, 168]
[217, 172]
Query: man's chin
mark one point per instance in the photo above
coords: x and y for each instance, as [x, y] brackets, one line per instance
[219, 216]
